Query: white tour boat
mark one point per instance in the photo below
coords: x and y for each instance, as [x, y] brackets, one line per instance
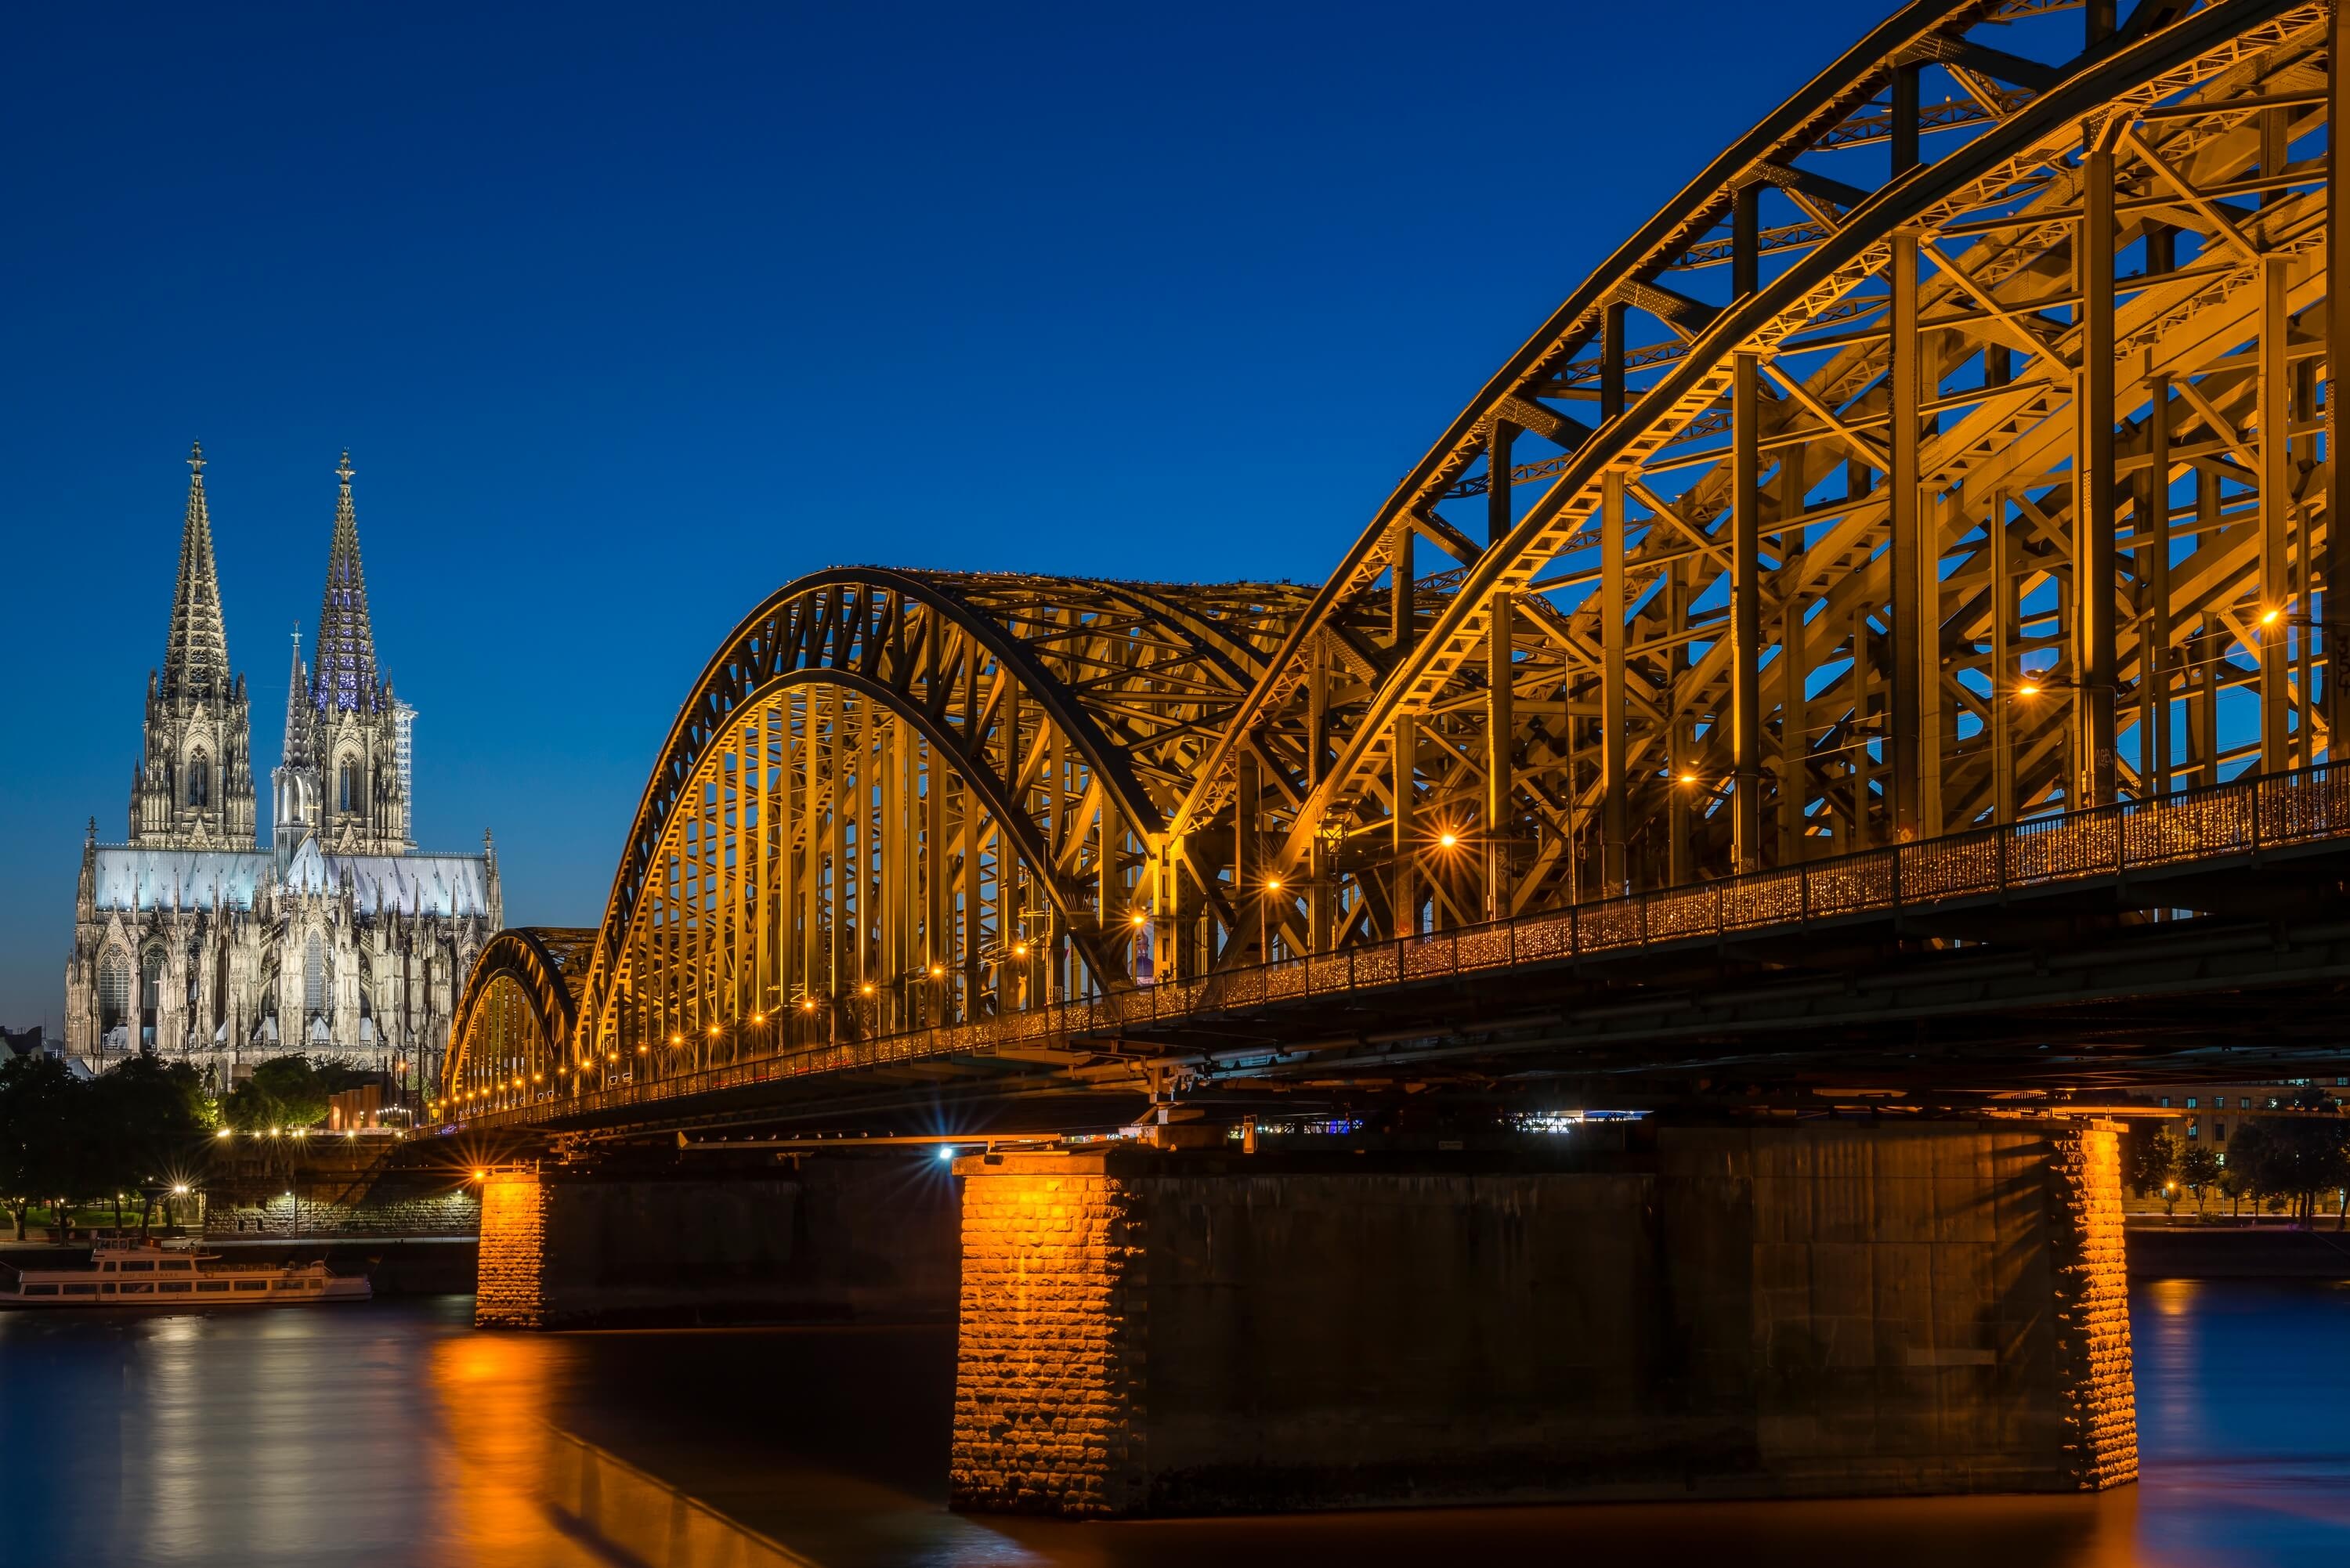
[128, 1275]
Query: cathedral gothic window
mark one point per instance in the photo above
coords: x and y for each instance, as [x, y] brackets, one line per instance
[113, 993]
[200, 781]
[314, 979]
[349, 798]
[150, 994]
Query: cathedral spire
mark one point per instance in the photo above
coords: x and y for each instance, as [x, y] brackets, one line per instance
[298, 710]
[195, 657]
[344, 676]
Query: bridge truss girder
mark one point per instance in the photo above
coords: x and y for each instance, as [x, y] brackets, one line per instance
[1805, 580]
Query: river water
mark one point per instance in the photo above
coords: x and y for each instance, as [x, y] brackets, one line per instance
[391, 1433]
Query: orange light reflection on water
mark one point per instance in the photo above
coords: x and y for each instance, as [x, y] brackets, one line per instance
[493, 1393]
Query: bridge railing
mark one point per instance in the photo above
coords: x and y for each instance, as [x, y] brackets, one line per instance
[2224, 820]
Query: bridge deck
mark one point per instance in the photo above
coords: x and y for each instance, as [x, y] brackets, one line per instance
[2157, 854]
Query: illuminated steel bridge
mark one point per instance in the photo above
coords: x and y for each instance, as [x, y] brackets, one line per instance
[1912, 543]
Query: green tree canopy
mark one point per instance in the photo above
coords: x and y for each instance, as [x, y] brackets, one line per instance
[2153, 1158]
[2293, 1156]
[145, 1116]
[283, 1092]
[2199, 1168]
[38, 1152]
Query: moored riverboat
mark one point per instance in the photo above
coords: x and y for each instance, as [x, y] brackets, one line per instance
[132, 1275]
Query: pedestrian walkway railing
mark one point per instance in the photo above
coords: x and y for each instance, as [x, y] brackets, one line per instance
[2218, 824]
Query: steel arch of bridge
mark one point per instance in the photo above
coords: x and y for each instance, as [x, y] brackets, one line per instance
[901, 799]
[520, 1007]
[1951, 451]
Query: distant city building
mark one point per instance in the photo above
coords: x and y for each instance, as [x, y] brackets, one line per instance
[190, 941]
[2214, 1107]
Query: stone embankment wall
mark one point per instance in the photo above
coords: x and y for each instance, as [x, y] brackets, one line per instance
[837, 1237]
[335, 1187]
[1815, 1309]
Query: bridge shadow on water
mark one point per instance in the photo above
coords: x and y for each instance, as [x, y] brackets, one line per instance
[828, 1447]
[395, 1434]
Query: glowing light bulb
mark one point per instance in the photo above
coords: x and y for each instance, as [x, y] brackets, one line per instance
[1447, 840]
[2269, 617]
[1137, 919]
[867, 987]
[1689, 778]
[946, 1152]
[2027, 690]
[1273, 884]
[758, 1018]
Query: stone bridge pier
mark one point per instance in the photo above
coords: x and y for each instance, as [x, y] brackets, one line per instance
[1769, 1310]
[847, 1237]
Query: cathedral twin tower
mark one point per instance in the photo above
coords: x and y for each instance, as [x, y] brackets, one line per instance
[193, 939]
[341, 776]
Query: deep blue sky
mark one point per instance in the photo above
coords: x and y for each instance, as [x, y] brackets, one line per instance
[630, 316]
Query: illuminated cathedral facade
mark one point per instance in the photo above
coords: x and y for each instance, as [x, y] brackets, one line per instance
[194, 942]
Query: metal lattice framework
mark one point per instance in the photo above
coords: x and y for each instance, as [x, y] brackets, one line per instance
[897, 799]
[1954, 450]
[1805, 580]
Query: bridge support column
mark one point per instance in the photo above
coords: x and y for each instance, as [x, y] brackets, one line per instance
[1732, 1312]
[830, 1238]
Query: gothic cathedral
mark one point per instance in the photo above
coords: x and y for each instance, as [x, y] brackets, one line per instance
[191, 941]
